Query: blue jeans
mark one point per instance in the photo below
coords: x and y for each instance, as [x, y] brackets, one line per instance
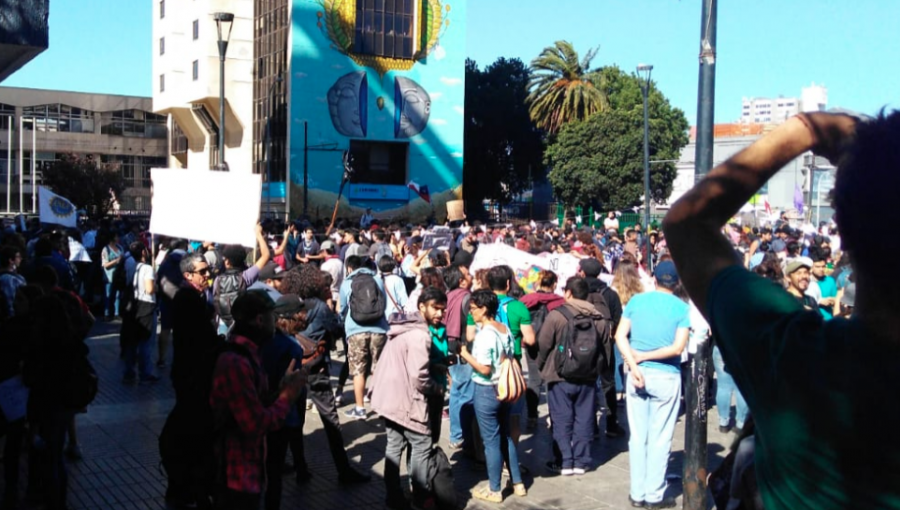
[652, 414]
[462, 392]
[141, 353]
[493, 422]
[572, 412]
[724, 388]
[111, 300]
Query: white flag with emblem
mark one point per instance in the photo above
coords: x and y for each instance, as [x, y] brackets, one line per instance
[56, 209]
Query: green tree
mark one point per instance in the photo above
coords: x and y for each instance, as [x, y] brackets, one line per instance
[503, 147]
[600, 161]
[86, 182]
[564, 88]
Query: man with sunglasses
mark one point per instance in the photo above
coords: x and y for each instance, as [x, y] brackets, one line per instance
[193, 322]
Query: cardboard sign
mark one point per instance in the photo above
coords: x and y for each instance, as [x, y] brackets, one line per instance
[437, 241]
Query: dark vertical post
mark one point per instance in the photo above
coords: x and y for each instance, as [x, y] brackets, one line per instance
[695, 444]
[223, 47]
[305, 168]
[645, 89]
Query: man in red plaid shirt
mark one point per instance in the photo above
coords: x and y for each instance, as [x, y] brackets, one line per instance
[239, 390]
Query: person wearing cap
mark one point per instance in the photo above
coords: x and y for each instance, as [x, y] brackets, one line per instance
[789, 363]
[240, 386]
[796, 275]
[651, 335]
[276, 356]
[270, 277]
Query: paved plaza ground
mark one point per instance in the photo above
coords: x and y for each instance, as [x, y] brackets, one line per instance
[121, 468]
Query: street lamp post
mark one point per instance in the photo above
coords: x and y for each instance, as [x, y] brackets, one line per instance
[222, 18]
[644, 71]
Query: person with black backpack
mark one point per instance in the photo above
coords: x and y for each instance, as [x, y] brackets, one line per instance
[362, 304]
[237, 277]
[574, 342]
[607, 301]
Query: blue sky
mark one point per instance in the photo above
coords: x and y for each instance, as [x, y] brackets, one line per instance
[765, 47]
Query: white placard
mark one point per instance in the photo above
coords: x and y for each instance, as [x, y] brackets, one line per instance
[202, 205]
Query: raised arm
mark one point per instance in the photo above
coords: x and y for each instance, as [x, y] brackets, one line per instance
[693, 224]
[264, 252]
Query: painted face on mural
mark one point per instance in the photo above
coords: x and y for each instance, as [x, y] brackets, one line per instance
[413, 108]
[347, 104]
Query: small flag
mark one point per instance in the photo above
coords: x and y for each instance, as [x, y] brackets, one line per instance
[597, 216]
[798, 199]
[56, 209]
[768, 208]
[422, 191]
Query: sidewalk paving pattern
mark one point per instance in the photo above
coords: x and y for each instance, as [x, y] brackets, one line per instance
[121, 468]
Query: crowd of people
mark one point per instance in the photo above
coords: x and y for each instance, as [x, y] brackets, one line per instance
[254, 334]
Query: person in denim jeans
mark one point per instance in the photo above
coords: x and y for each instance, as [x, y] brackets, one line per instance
[659, 325]
[490, 347]
[111, 256]
[725, 387]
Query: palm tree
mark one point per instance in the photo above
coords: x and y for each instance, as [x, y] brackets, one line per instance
[563, 88]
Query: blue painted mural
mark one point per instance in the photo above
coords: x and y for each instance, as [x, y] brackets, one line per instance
[384, 79]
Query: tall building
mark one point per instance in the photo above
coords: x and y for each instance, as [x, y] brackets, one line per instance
[764, 110]
[307, 80]
[38, 126]
[24, 33]
[186, 80]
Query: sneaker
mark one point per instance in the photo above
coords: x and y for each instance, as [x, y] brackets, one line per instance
[567, 472]
[485, 494]
[553, 467]
[578, 471]
[366, 399]
[614, 430]
[73, 451]
[724, 429]
[357, 413]
[352, 476]
[456, 446]
[635, 504]
[517, 488]
[665, 503]
[149, 379]
[338, 399]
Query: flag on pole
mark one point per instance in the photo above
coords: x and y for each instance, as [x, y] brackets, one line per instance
[422, 191]
[56, 209]
[768, 208]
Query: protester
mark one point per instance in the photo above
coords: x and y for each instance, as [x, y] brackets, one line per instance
[269, 281]
[652, 333]
[826, 290]
[139, 325]
[333, 265]
[236, 278]
[112, 257]
[458, 282]
[10, 280]
[170, 278]
[490, 346]
[393, 286]
[539, 304]
[405, 384]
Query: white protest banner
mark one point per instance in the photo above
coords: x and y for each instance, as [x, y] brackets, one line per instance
[525, 265]
[203, 205]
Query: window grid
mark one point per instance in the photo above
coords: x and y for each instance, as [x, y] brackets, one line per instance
[162, 83]
[196, 29]
[271, 28]
[195, 70]
[385, 28]
[162, 45]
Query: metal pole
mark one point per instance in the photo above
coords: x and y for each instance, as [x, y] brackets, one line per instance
[21, 166]
[33, 167]
[223, 47]
[9, 161]
[305, 169]
[695, 443]
[268, 150]
[645, 90]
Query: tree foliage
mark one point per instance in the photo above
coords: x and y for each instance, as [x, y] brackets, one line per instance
[86, 182]
[503, 148]
[600, 161]
[563, 88]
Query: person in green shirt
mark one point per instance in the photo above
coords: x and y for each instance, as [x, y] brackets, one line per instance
[820, 391]
[827, 286]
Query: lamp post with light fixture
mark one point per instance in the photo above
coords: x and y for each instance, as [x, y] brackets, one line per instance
[226, 19]
[644, 71]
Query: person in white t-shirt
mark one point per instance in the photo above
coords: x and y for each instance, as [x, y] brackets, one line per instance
[139, 326]
[332, 265]
[611, 222]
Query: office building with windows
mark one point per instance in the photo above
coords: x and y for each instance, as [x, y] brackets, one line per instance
[38, 126]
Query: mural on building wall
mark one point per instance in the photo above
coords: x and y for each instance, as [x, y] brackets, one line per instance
[393, 107]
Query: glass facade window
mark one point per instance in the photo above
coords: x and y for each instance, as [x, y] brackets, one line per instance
[195, 71]
[196, 29]
[271, 27]
[7, 113]
[134, 124]
[135, 169]
[58, 118]
[385, 28]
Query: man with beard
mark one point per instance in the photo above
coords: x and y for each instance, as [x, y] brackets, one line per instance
[796, 275]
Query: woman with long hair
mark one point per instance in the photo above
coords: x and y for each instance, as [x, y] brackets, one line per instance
[491, 346]
[428, 277]
[626, 280]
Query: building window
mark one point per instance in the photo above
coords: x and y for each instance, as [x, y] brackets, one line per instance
[385, 28]
[195, 71]
[134, 124]
[196, 29]
[162, 83]
[162, 9]
[7, 112]
[162, 45]
[60, 118]
[379, 162]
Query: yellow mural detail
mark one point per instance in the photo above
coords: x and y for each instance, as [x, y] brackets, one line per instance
[337, 20]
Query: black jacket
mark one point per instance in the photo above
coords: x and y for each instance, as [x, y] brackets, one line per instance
[597, 286]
